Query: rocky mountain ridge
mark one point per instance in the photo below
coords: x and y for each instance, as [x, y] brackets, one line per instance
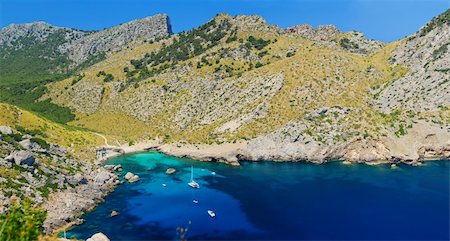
[245, 80]
[81, 46]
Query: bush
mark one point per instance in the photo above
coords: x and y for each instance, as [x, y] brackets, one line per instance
[22, 222]
[258, 43]
[108, 78]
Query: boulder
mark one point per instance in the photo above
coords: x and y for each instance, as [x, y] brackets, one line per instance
[170, 171]
[114, 213]
[26, 144]
[80, 179]
[134, 178]
[103, 177]
[128, 175]
[98, 237]
[131, 177]
[6, 130]
[23, 158]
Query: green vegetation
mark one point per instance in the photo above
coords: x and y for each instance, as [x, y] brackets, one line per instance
[440, 51]
[347, 44]
[25, 71]
[257, 43]
[26, 95]
[22, 222]
[435, 22]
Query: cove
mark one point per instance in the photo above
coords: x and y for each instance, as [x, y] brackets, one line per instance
[270, 200]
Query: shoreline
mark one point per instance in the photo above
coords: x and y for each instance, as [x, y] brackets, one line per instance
[229, 153]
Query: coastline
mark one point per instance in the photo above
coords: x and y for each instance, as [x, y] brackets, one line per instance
[419, 145]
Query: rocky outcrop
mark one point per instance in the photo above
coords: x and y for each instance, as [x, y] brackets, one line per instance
[426, 85]
[38, 31]
[330, 36]
[22, 158]
[98, 237]
[6, 130]
[82, 46]
[130, 177]
[113, 39]
[321, 33]
[67, 206]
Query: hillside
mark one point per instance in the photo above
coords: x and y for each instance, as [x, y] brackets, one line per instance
[239, 79]
[34, 54]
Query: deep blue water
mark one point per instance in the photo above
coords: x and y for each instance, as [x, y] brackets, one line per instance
[274, 201]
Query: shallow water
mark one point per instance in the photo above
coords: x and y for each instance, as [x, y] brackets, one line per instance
[270, 200]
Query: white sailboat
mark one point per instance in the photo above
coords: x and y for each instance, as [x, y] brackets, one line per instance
[212, 213]
[193, 183]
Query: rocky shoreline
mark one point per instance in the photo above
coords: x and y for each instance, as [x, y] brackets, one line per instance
[64, 208]
[422, 143]
[93, 182]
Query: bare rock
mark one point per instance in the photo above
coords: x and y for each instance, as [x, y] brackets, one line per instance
[98, 237]
[114, 213]
[6, 130]
[22, 158]
[170, 171]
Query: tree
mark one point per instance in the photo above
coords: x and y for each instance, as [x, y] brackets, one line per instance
[22, 222]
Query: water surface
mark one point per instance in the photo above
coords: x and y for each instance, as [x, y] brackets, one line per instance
[270, 200]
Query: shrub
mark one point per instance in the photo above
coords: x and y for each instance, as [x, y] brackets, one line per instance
[22, 222]
[108, 78]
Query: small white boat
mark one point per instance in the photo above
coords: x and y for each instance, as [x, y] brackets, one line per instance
[213, 173]
[195, 201]
[164, 185]
[193, 183]
[212, 213]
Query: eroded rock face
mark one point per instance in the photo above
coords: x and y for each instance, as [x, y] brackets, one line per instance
[68, 205]
[116, 38]
[321, 33]
[427, 84]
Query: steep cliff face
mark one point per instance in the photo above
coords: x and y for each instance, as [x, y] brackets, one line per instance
[117, 38]
[331, 37]
[426, 86]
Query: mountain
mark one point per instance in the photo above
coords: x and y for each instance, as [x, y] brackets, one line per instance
[34, 54]
[299, 93]
[318, 91]
[427, 84]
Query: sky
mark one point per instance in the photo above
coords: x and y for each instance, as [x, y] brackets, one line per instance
[385, 20]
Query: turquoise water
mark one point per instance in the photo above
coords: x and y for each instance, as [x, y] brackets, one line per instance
[270, 200]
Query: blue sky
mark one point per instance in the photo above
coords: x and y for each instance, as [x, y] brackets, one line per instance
[379, 19]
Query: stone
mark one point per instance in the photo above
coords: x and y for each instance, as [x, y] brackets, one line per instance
[23, 158]
[98, 237]
[103, 177]
[170, 171]
[6, 130]
[26, 144]
[134, 178]
[114, 213]
[80, 179]
[128, 175]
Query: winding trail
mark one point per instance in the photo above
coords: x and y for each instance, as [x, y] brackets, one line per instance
[104, 138]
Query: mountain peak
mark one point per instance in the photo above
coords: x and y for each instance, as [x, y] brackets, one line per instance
[321, 33]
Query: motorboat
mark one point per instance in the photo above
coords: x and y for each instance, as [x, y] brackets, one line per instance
[212, 213]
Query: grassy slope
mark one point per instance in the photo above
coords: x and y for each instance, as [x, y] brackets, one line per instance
[80, 141]
[315, 77]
